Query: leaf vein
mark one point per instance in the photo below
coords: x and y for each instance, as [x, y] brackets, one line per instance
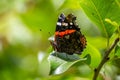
[100, 18]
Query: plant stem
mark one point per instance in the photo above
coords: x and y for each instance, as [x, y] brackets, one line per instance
[105, 59]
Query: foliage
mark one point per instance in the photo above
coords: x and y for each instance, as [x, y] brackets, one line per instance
[26, 25]
[98, 11]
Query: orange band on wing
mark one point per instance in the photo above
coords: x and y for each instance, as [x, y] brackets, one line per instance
[64, 32]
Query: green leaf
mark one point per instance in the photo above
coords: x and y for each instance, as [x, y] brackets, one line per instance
[61, 62]
[88, 61]
[65, 56]
[117, 50]
[94, 53]
[96, 40]
[71, 4]
[112, 22]
[99, 10]
[116, 62]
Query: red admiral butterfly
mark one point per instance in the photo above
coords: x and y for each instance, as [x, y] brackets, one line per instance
[68, 37]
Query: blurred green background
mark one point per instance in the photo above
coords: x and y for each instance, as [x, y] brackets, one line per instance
[25, 26]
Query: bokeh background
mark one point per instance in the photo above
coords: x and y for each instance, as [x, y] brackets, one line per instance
[25, 26]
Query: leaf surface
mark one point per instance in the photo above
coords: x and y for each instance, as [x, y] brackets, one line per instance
[61, 62]
[99, 10]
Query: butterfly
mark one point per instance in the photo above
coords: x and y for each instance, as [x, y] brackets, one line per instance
[68, 37]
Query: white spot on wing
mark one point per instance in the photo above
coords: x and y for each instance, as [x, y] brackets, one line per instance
[71, 23]
[58, 23]
[64, 24]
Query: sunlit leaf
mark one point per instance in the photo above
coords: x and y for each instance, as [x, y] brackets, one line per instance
[71, 4]
[99, 10]
[100, 41]
[94, 53]
[111, 22]
[58, 65]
